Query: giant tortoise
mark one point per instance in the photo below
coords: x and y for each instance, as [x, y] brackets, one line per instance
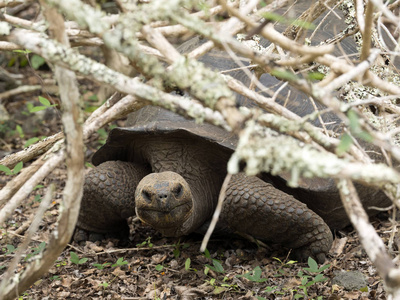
[168, 171]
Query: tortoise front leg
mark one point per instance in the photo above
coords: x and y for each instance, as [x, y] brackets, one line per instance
[255, 207]
[108, 199]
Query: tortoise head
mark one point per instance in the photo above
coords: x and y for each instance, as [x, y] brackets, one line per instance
[164, 201]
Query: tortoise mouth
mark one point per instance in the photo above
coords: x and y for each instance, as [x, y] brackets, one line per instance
[165, 210]
[165, 218]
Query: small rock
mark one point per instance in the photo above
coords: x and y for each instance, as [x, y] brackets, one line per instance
[158, 258]
[173, 264]
[4, 116]
[350, 280]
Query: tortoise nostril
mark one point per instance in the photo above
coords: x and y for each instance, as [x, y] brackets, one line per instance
[146, 195]
[162, 196]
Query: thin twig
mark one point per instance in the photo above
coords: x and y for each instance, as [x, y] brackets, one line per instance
[217, 212]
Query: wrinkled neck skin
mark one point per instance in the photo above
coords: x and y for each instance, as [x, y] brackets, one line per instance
[203, 167]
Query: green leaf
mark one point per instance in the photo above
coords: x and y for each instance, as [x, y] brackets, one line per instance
[287, 21]
[20, 131]
[12, 61]
[207, 253]
[31, 141]
[206, 269]
[10, 249]
[218, 267]
[24, 62]
[278, 259]
[90, 109]
[303, 24]
[320, 278]
[37, 61]
[187, 264]
[159, 267]
[120, 262]
[257, 273]
[345, 143]
[22, 51]
[29, 106]
[273, 17]
[365, 136]
[93, 97]
[315, 76]
[142, 244]
[82, 260]
[99, 266]
[219, 290]
[5, 170]
[312, 264]
[310, 283]
[18, 167]
[353, 119]
[324, 267]
[44, 101]
[364, 289]
[270, 289]
[74, 258]
[36, 250]
[284, 74]
[88, 165]
[37, 108]
[176, 253]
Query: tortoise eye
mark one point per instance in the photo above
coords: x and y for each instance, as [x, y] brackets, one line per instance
[178, 190]
[146, 195]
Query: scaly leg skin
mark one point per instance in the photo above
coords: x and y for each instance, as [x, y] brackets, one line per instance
[108, 200]
[255, 207]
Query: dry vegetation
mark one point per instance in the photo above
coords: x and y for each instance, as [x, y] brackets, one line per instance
[338, 59]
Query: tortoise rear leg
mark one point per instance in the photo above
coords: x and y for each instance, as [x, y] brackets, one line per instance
[255, 207]
[108, 200]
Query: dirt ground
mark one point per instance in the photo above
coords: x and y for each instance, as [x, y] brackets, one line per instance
[152, 267]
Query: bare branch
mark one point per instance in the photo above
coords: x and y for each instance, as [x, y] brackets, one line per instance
[74, 157]
[357, 71]
[367, 31]
[370, 240]
[13, 3]
[19, 90]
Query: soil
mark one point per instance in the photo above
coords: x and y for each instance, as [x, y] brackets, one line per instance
[149, 266]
